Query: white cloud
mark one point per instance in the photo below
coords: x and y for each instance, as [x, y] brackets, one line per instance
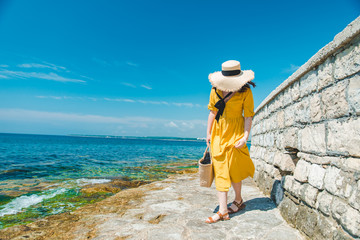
[122, 100]
[291, 69]
[183, 104]
[147, 87]
[28, 115]
[3, 76]
[47, 76]
[119, 100]
[23, 115]
[132, 64]
[171, 124]
[154, 102]
[128, 84]
[61, 97]
[40, 65]
[4, 65]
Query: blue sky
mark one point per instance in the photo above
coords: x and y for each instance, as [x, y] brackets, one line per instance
[140, 68]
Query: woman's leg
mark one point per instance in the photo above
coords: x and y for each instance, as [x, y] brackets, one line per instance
[222, 197]
[237, 189]
[238, 198]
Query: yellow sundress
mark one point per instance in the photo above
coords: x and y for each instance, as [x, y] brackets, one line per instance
[231, 164]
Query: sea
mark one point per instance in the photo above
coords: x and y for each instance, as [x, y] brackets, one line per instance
[42, 175]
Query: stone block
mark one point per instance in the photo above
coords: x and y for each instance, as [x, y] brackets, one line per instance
[338, 183]
[262, 126]
[291, 137]
[284, 161]
[280, 119]
[315, 159]
[279, 101]
[273, 122]
[346, 164]
[269, 157]
[276, 174]
[262, 153]
[308, 194]
[326, 228]
[302, 170]
[348, 216]
[344, 137]
[255, 119]
[308, 83]
[354, 199]
[354, 93]
[325, 74]
[313, 138]
[288, 182]
[271, 106]
[258, 140]
[306, 220]
[269, 139]
[338, 208]
[302, 111]
[315, 108]
[334, 103]
[287, 97]
[280, 140]
[268, 168]
[295, 91]
[253, 129]
[289, 116]
[258, 128]
[347, 62]
[291, 185]
[288, 210]
[253, 149]
[268, 184]
[323, 202]
[316, 176]
[296, 189]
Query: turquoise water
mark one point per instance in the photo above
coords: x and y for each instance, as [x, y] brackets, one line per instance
[42, 175]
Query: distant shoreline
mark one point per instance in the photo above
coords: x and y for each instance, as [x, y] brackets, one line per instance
[163, 138]
[113, 136]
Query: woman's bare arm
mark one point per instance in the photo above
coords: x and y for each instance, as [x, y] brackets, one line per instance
[211, 119]
[247, 127]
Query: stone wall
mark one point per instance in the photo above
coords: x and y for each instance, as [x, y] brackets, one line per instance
[306, 141]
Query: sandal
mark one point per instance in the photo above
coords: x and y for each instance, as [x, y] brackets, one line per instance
[239, 205]
[222, 217]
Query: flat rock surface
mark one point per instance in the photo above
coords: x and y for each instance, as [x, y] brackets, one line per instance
[175, 208]
[178, 211]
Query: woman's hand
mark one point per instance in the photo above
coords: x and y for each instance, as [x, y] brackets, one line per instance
[208, 137]
[241, 143]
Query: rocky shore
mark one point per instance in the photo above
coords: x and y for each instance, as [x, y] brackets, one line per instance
[174, 208]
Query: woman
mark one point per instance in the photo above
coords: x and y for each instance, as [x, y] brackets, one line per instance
[231, 110]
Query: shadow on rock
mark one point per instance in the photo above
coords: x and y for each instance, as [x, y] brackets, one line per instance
[262, 204]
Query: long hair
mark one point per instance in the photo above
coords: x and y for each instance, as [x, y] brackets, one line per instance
[246, 86]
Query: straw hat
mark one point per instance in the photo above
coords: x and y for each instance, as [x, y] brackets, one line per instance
[231, 78]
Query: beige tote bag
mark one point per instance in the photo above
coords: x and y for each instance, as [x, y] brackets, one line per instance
[206, 171]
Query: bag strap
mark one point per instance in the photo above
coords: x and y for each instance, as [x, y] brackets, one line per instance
[227, 95]
[207, 150]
